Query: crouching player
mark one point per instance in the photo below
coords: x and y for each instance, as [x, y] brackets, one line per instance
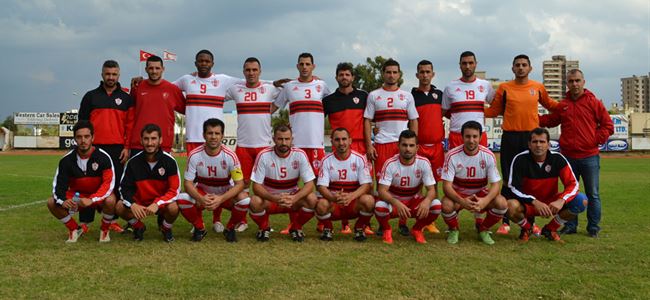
[150, 185]
[533, 181]
[399, 189]
[344, 181]
[86, 170]
[219, 183]
[275, 182]
[466, 173]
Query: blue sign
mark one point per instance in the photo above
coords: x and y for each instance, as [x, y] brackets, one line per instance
[554, 145]
[617, 145]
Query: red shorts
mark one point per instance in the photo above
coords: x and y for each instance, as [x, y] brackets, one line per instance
[340, 212]
[530, 211]
[228, 204]
[359, 146]
[456, 139]
[273, 208]
[384, 152]
[411, 204]
[436, 156]
[247, 158]
[190, 146]
[315, 156]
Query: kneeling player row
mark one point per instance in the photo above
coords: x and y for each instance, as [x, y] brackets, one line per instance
[213, 179]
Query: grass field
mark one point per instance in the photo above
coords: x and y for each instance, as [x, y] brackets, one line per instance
[36, 263]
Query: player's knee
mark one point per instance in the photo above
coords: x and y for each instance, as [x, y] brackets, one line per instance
[256, 204]
[310, 201]
[447, 205]
[366, 202]
[514, 208]
[172, 209]
[119, 208]
[110, 201]
[323, 206]
[383, 209]
[51, 204]
[242, 196]
[500, 203]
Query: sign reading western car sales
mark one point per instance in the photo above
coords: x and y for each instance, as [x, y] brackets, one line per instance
[33, 118]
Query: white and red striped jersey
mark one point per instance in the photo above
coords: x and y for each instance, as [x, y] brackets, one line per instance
[344, 174]
[213, 174]
[406, 181]
[305, 111]
[470, 173]
[391, 111]
[281, 174]
[205, 98]
[466, 101]
[253, 113]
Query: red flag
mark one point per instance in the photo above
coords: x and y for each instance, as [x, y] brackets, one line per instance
[169, 56]
[144, 55]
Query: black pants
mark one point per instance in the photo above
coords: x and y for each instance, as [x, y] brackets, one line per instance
[512, 143]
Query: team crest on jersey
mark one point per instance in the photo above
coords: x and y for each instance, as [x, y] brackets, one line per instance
[401, 97]
[295, 164]
[355, 100]
[295, 88]
[262, 90]
[215, 83]
[316, 164]
[94, 166]
[165, 95]
[353, 167]
[418, 173]
[481, 89]
[532, 92]
[547, 168]
[118, 101]
[482, 164]
[161, 171]
[224, 165]
[318, 88]
[435, 96]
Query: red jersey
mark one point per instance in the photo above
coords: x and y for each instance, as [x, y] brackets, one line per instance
[346, 111]
[429, 107]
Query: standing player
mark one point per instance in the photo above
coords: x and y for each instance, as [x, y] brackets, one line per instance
[428, 100]
[86, 170]
[219, 183]
[399, 190]
[344, 109]
[150, 185]
[345, 183]
[275, 183]
[517, 101]
[534, 184]
[467, 171]
[393, 110]
[106, 107]
[155, 101]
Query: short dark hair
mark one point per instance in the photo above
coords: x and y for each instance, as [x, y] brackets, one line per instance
[388, 63]
[153, 58]
[520, 56]
[471, 125]
[424, 62]
[344, 66]
[214, 122]
[204, 51]
[467, 54]
[81, 124]
[110, 64]
[575, 71]
[149, 128]
[338, 130]
[407, 134]
[253, 59]
[281, 128]
[539, 131]
[306, 55]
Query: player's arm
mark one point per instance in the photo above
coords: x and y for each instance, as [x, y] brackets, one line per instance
[263, 193]
[605, 125]
[238, 178]
[571, 187]
[173, 188]
[326, 193]
[108, 183]
[191, 189]
[412, 114]
[306, 189]
[61, 184]
[496, 107]
[363, 189]
[450, 192]
[550, 120]
[402, 210]
[546, 100]
[413, 125]
[367, 136]
[85, 108]
[516, 184]
[322, 184]
[179, 105]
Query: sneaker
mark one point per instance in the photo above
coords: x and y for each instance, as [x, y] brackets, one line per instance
[319, 227]
[486, 237]
[452, 237]
[387, 236]
[537, 231]
[524, 235]
[593, 234]
[360, 235]
[241, 227]
[286, 230]
[85, 228]
[346, 230]
[368, 230]
[168, 236]
[297, 235]
[432, 228]
[127, 229]
[419, 236]
[327, 235]
[504, 229]
[74, 235]
[404, 230]
[568, 230]
[263, 235]
[231, 235]
[198, 235]
[104, 236]
[138, 234]
[218, 227]
[116, 228]
[551, 235]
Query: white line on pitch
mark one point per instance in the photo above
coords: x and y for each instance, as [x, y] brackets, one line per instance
[10, 207]
[23, 175]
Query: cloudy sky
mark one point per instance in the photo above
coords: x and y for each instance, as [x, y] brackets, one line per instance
[52, 51]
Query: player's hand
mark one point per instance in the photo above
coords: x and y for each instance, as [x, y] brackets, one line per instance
[138, 211]
[280, 82]
[135, 81]
[556, 206]
[68, 204]
[423, 209]
[372, 154]
[346, 198]
[124, 156]
[402, 210]
[468, 204]
[481, 203]
[285, 200]
[542, 208]
[152, 209]
[85, 202]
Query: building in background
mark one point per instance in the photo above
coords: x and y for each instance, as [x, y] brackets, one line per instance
[554, 73]
[635, 93]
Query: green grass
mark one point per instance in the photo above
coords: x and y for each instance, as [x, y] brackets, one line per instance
[36, 263]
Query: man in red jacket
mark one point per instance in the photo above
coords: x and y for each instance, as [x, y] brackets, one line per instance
[585, 124]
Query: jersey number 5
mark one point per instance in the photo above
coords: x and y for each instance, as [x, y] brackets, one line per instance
[283, 172]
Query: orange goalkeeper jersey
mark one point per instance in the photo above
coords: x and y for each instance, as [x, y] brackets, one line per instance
[518, 105]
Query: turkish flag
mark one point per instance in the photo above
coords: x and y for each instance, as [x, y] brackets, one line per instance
[144, 55]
